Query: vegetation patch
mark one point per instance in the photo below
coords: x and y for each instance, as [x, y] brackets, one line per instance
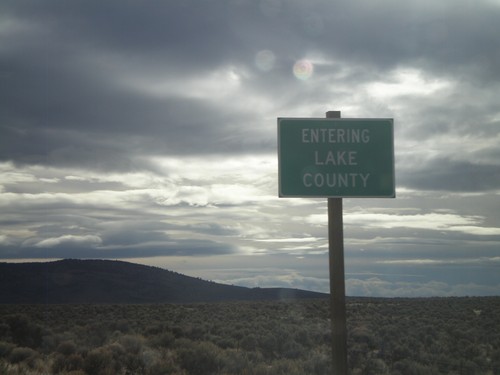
[385, 336]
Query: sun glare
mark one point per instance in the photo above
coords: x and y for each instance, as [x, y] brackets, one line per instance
[406, 82]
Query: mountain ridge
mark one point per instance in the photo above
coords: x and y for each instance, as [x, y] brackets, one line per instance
[118, 282]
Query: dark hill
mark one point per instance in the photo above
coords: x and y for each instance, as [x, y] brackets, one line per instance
[106, 281]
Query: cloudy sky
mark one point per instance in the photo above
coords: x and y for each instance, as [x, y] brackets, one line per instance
[147, 132]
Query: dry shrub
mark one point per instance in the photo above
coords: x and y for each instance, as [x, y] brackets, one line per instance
[22, 354]
[5, 348]
[66, 348]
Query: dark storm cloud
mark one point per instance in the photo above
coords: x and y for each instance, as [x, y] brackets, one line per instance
[63, 65]
[68, 250]
[445, 35]
[62, 99]
[449, 175]
[158, 29]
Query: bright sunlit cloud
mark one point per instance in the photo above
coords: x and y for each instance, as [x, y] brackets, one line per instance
[483, 261]
[211, 85]
[431, 221]
[407, 82]
[66, 240]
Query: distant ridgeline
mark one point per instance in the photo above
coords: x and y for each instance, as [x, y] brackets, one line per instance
[107, 281]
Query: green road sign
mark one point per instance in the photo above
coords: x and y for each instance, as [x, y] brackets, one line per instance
[326, 157]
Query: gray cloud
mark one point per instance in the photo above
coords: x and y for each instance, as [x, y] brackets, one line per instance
[82, 250]
[68, 77]
[442, 174]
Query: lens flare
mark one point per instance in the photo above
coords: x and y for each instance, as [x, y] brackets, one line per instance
[303, 69]
[265, 60]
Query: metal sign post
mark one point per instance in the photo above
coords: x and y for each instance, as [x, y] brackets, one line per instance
[337, 280]
[336, 158]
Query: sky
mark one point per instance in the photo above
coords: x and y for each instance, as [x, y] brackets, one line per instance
[147, 132]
